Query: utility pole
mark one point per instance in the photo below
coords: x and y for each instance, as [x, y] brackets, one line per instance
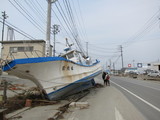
[5, 91]
[55, 31]
[87, 48]
[4, 15]
[113, 68]
[121, 55]
[110, 65]
[106, 65]
[133, 63]
[48, 31]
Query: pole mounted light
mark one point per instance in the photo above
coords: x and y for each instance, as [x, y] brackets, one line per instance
[53, 1]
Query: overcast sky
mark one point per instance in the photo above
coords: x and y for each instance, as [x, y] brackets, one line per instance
[107, 24]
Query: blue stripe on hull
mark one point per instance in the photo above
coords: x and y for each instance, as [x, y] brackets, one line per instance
[74, 87]
[39, 60]
[71, 89]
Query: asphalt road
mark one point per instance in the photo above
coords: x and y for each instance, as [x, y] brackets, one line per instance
[105, 103]
[144, 95]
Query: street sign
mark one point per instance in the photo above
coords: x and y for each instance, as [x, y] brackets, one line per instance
[139, 65]
[129, 65]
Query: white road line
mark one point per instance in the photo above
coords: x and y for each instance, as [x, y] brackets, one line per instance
[156, 108]
[118, 115]
[143, 85]
[147, 86]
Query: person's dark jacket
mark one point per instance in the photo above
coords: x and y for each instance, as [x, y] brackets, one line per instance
[103, 75]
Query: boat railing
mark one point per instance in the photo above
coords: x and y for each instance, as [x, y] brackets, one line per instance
[24, 54]
[9, 58]
[12, 56]
[33, 53]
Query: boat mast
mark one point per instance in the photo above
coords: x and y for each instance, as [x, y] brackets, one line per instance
[48, 31]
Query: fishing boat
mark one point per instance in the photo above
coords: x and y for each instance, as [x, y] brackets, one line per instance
[57, 76]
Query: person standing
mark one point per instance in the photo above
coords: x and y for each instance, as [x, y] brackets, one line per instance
[107, 79]
[103, 77]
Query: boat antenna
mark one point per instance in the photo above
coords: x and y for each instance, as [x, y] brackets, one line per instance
[67, 43]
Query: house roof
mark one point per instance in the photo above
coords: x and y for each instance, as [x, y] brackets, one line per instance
[23, 41]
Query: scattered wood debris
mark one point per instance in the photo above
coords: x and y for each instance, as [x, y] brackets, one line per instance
[98, 85]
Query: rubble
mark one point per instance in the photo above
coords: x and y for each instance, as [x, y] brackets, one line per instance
[81, 105]
[98, 85]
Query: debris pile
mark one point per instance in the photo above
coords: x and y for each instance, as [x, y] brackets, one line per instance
[21, 99]
[98, 85]
[13, 104]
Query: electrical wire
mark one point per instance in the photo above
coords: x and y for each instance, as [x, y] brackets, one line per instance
[62, 24]
[147, 27]
[35, 11]
[65, 19]
[70, 11]
[29, 18]
[19, 31]
[44, 12]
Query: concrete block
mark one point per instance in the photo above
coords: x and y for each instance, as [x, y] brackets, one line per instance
[82, 105]
[73, 104]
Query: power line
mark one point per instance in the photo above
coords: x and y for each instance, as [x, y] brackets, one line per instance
[64, 17]
[18, 30]
[101, 48]
[104, 51]
[61, 24]
[65, 20]
[82, 20]
[21, 32]
[29, 17]
[70, 11]
[148, 26]
[44, 12]
[117, 59]
[35, 10]
[68, 24]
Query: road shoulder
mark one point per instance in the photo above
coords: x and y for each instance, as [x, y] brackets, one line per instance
[105, 103]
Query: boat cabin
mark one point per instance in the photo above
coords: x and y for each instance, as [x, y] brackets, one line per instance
[74, 56]
[77, 57]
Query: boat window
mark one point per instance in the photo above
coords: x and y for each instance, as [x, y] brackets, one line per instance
[70, 55]
[64, 56]
[76, 55]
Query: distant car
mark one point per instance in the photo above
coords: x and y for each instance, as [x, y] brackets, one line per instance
[133, 74]
[154, 74]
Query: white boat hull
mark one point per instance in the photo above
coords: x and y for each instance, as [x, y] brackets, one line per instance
[56, 76]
